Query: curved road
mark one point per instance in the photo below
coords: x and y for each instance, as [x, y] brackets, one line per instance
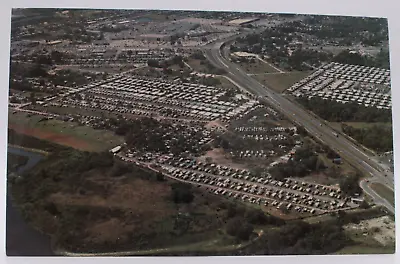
[375, 196]
[315, 126]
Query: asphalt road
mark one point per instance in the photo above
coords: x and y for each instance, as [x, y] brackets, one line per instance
[315, 126]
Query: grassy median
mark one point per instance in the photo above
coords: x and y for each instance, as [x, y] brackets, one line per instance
[383, 191]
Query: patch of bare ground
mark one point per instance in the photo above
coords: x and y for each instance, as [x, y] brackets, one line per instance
[219, 156]
[381, 229]
[279, 213]
[109, 230]
[214, 124]
[128, 197]
[319, 178]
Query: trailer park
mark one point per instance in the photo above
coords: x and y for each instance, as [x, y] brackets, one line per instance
[200, 115]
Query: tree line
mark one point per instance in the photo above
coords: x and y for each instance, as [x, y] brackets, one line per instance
[349, 112]
[376, 137]
[301, 164]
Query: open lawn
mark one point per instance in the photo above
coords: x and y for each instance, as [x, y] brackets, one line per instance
[331, 175]
[257, 67]
[64, 133]
[225, 83]
[197, 65]
[383, 191]
[345, 167]
[281, 81]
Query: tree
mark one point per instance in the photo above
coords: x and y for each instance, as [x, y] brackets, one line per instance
[319, 165]
[160, 177]
[182, 193]
[32, 98]
[42, 59]
[13, 99]
[302, 131]
[198, 55]
[244, 231]
[349, 185]
[232, 226]
[37, 71]
[167, 71]
[364, 205]
[231, 210]
[153, 63]
[256, 217]
[56, 56]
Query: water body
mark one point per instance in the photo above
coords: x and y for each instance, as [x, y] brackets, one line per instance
[21, 238]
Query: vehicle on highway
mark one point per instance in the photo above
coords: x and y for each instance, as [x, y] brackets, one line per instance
[335, 134]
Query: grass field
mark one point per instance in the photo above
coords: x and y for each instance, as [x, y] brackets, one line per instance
[197, 66]
[384, 192]
[281, 81]
[326, 178]
[65, 133]
[344, 166]
[226, 83]
[363, 249]
[257, 67]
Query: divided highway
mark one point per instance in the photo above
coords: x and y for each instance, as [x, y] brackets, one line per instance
[315, 126]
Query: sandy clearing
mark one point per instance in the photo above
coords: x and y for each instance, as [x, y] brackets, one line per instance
[382, 229]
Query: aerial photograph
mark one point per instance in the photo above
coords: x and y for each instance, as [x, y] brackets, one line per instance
[198, 133]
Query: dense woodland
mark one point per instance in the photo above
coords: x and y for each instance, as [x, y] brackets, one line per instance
[381, 60]
[349, 184]
[148, 134]
[235, 142]
[349, 112]
[303, 162]
[376, 137]
[318, 31]
[14, 162]
[22, 77]
[70, 173]
[300, 238]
